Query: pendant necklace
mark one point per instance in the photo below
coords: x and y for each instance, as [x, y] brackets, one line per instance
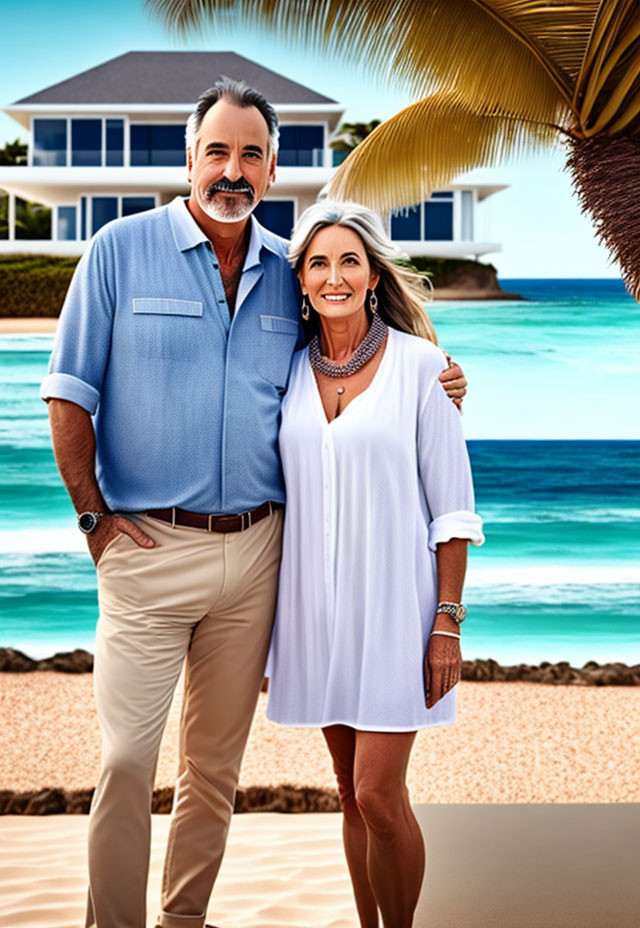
[363, 353]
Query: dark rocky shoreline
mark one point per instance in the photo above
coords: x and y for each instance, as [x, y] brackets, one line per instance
[283, 798]
[477, 671]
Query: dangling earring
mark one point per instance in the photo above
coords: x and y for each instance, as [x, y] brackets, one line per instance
[373, 303]
[304, 310]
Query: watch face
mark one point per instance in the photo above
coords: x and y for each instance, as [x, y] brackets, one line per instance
[460, 613]
[87, 522]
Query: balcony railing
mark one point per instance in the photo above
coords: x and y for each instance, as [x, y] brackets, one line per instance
[303, 158]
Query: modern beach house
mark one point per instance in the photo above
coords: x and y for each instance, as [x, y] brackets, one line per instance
[109, 142]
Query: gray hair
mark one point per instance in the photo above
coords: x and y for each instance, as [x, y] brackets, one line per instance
[402, 293]
[238, 93]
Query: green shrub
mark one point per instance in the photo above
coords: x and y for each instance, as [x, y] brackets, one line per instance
[34, 285]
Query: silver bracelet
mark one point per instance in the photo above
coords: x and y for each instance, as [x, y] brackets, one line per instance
[448, 634]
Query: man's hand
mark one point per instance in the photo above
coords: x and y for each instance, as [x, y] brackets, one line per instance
[108, 528]
[454, 382]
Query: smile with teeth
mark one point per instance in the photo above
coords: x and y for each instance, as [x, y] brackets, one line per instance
[335, 297]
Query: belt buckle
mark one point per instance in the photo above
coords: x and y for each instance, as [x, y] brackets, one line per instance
[224, 520]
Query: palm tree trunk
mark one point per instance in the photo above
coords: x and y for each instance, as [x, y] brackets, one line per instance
[605, 173]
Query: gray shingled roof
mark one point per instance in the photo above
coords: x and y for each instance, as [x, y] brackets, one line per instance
[170, 77]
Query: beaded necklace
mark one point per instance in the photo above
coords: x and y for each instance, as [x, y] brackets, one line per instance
[364, 352]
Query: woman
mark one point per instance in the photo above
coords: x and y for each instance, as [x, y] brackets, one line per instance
[379, 515]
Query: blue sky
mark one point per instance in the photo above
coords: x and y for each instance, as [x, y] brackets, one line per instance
[537, 220]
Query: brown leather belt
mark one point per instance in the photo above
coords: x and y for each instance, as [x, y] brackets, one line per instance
[213, 523]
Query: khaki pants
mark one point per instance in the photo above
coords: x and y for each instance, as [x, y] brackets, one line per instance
[209, 598]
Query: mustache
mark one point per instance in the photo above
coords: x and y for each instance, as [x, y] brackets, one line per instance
[230, 186]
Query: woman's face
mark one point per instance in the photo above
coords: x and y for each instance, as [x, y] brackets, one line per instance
[336, 273]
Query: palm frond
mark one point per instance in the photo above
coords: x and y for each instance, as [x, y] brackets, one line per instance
[423, 45]
[427, 144]
[610, 78]
[558, 31]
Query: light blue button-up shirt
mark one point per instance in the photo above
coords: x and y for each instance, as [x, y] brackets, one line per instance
[186, 400]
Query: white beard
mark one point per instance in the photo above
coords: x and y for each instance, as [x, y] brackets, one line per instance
[226, 210]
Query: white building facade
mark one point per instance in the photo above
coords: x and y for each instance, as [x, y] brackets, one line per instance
[110, 142]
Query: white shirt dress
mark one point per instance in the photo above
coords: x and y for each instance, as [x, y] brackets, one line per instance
[369, 496]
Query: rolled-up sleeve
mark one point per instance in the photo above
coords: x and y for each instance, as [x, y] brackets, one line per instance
[83, 336]
[445, 471]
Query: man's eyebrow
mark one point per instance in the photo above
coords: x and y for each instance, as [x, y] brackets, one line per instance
[223, 145]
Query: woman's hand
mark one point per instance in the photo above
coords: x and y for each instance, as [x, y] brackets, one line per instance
[442, 667]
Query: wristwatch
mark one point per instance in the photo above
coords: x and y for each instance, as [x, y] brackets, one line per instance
[87, 521]
[456, 610]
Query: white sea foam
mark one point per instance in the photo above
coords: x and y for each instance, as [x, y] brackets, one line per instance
[42, 541]
[551, 575]
[565, 511]
[68, 540]
[18, 341]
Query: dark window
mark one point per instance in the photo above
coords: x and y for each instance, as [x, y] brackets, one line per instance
[157, 146]
[115, 143]
[405, 226]
[49, 142]
[66, 223]
[131, 205]
[104, 210]
[438, 218]
[86, 142]
[301, 146]
[275, 215]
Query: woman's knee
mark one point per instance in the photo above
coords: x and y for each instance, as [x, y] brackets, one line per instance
[348, 799]
[381, 806]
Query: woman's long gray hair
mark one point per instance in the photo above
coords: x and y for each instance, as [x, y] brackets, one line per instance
[401, 293]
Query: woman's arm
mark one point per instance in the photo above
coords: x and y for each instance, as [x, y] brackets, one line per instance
[446, 480]
[443, 661]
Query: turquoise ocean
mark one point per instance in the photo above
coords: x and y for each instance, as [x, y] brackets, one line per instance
[554, 438]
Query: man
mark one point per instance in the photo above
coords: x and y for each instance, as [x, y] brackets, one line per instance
[176, 336]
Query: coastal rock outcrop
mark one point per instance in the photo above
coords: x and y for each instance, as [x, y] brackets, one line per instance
[478, 670]
[282, 798]
[77, 661]
[462, 279]
[592, 674]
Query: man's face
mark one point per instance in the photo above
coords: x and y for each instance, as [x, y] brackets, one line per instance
[231, 168]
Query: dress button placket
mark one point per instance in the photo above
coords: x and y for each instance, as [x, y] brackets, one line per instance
[327, 484]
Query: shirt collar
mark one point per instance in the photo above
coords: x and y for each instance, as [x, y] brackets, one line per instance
[188, 234]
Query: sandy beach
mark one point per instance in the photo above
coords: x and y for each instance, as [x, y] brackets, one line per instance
[28, 326]
[513, 743]
[529, 807]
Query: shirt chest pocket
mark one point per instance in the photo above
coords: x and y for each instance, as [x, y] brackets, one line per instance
[166, 328]
[276, 344]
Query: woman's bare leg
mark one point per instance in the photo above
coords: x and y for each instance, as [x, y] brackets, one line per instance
[341, 741]
[395, 849]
